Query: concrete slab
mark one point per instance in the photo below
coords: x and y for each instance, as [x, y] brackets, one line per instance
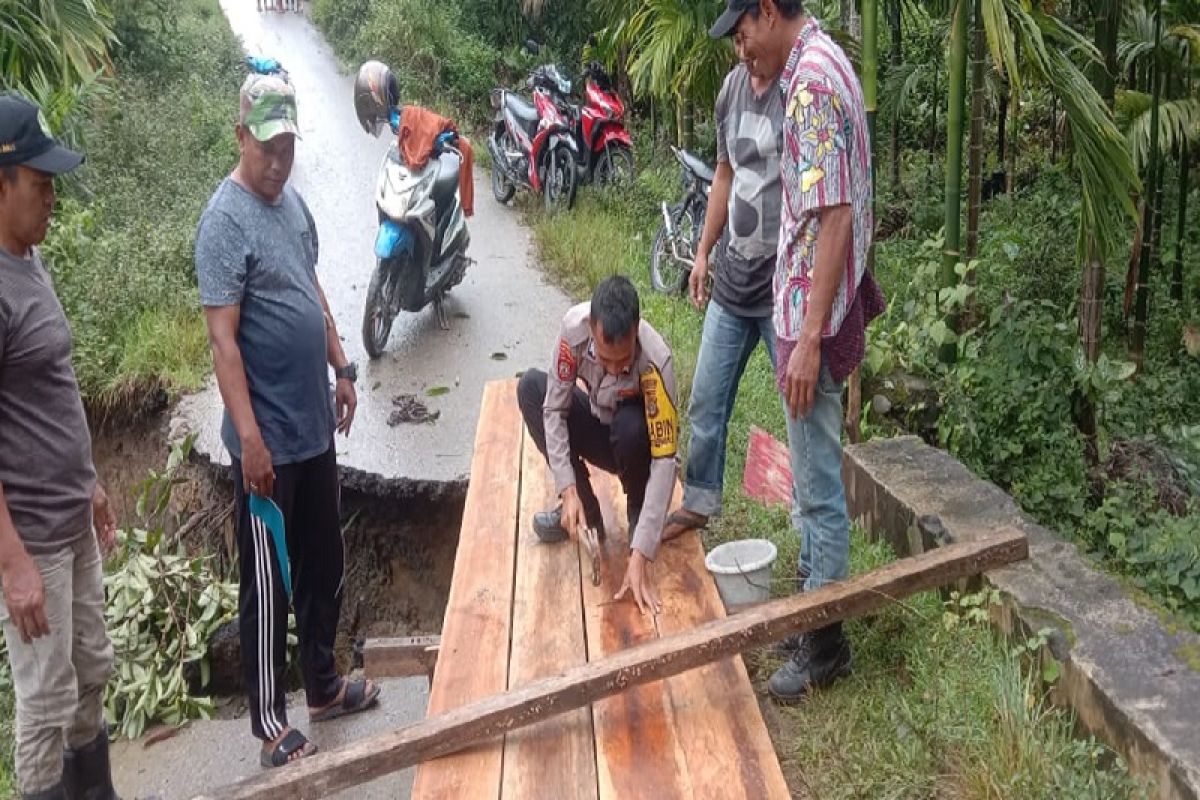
[1124, 673]
[209, 754]
[504, 316]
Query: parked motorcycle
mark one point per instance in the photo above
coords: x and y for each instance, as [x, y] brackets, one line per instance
[605, 148]
[675, 244]
[532, 145]
[422, 241]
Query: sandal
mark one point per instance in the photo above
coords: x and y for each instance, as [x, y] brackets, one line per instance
[681, 521]
[283, 751]
[355, 699]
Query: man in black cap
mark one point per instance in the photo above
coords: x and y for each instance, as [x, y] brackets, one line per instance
[52, 608]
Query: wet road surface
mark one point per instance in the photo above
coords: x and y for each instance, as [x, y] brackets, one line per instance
[503, 316]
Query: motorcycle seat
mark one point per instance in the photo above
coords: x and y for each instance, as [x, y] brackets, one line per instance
[445, 183]
[694, 165]
[524, 111]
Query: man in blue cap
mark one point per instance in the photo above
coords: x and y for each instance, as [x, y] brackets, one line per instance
[52, 608]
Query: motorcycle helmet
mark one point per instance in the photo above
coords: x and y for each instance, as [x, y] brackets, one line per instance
[376, 93]
[551, 78]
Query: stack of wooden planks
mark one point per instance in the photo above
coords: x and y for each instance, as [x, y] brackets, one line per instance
[520, 610]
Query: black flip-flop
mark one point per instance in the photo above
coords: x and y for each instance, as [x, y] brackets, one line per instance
[281, 753]
[355, 699]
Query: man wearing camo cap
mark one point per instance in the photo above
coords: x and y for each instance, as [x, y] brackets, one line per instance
[273, 341]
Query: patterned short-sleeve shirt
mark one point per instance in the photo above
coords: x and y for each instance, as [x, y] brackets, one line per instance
[826, 161]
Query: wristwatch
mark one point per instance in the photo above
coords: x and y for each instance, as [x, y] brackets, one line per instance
[347, 373]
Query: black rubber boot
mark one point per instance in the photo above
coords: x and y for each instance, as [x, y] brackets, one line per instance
[823, 657]
[789, 645]
[87, 774]
[53, 793]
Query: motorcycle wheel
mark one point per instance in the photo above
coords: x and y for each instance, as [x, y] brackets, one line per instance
[502, 188]
[561, 180]
[614, 167]
[378, 315]
[666, 274]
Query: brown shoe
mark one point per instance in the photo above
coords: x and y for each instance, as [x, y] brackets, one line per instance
[681, 521]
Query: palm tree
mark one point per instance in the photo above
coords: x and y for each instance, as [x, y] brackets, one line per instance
[1156, 128]
[951, 253]
[63, 41]
[1137, 345]
[669, 53]
[1047, 48]
[869, 71]
[975, 139]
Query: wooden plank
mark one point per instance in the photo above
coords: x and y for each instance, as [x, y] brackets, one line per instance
[641, 664]
[473, 663]
[400, 656]
[717, 717]
[554, 759]
[638, 753]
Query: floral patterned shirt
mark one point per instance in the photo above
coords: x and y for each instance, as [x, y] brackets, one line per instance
[826, 161]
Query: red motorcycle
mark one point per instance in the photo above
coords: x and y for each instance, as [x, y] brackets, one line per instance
[532, 145]
[604, 146]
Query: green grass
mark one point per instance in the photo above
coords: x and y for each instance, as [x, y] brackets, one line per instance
[8, 786]
[930, 711]
[939, 706]
[158, 138]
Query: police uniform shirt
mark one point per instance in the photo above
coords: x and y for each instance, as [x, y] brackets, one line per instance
[651, 376]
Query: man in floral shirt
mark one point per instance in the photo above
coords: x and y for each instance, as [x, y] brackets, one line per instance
[824, 294]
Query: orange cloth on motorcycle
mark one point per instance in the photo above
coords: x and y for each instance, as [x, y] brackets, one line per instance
[419, 130]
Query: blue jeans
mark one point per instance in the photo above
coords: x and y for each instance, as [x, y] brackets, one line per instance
[726, 345]
[818, 494]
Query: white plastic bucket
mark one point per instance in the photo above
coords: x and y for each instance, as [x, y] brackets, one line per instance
[742, 570]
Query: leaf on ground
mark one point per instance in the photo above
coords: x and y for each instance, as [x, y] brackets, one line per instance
[498, 356]
[437, 391]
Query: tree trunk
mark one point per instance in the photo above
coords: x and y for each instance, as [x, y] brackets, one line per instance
[975, 141]
[933, 119]
[1002, 129]
[1010, 150]
[687, 127]
[952, 253]
[1108, 26]
[1137, 347]
[1181, 226]
[1091, 315]
[851, 21]
[1053, 127]
[870, 86]
[1091, 301]
[896, 57]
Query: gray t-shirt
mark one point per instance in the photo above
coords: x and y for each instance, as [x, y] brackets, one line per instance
[263, 257]
[749, 137]
[45, 447]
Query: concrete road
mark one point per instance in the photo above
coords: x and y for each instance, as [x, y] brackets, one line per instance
[504, 305]
[207, 755]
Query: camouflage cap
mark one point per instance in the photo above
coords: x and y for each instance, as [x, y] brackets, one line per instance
[268, 107]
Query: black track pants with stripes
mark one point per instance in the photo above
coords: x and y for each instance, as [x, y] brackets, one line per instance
[307, 493]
